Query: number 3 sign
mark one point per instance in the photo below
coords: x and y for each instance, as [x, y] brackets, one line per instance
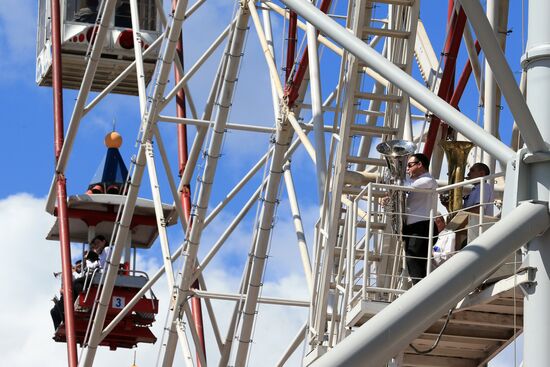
[118, 302]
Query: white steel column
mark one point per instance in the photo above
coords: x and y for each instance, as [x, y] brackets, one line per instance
[265, 225]
[391, 330]
[205, 188]
[129, 205]
[536, 63]
[491, 92]
[316, 110]
[298, 227]
[406, 82]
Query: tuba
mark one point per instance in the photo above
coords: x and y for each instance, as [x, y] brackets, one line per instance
[457, 155]
[396, 153]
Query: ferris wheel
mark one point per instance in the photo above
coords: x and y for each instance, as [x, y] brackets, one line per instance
[287, 105]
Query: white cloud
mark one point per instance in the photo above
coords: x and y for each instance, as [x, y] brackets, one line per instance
[28, 281]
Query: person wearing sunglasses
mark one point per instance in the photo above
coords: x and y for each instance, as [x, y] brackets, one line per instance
[417, 223]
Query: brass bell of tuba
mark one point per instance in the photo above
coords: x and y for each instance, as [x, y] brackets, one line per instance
[396, 153]
[457, 156]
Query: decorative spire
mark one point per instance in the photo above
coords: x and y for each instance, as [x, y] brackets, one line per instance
[112, 172]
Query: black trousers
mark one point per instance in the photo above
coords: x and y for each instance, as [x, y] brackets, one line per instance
[58, 310]
[416, 249]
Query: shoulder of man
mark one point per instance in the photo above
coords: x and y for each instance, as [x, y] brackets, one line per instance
[425, 181]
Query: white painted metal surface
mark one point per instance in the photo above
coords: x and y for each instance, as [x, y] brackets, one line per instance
[352, 263]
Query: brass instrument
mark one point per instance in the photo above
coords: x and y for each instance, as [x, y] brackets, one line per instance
[457, 156]
[396, 153]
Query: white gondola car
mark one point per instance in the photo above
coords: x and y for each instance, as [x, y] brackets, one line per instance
[78, 23]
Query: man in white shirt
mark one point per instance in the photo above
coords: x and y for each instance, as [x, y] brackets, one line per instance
[417, 223]
[472, 201]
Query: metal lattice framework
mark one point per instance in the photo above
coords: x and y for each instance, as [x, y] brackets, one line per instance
[351, 270]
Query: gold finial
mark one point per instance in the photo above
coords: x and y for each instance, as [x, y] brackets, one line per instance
[113, 140]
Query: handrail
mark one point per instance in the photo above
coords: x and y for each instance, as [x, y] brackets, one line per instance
[373, 282]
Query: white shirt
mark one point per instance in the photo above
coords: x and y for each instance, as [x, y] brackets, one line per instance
[419, 203]
[103, 256]
[445, 247]
[488, 197]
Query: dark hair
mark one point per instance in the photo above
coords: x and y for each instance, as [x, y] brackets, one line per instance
[422, 159]
[483, 167]
[99, 237]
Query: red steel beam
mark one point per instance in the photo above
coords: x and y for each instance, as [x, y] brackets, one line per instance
[463, 80]
[196, 308]
[64, 238]
[291, 45]
[93, 217]
[459, 90]
[452, 45]
[292, 89]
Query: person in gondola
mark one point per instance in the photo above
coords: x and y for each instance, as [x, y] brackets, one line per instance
[92, 260]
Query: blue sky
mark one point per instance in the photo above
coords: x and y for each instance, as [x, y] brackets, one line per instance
[28, 158]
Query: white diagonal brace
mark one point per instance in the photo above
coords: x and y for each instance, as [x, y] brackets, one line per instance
[503, 75]
[205, 188]
[148, 121]
[401, 79]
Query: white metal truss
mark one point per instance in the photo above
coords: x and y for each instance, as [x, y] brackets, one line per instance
[351, 266]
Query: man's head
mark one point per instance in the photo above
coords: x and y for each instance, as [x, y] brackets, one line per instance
[77, 268]
[478, 170]
[417, 165]
[98, 243]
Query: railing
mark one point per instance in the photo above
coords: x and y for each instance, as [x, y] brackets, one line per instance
[375, 258]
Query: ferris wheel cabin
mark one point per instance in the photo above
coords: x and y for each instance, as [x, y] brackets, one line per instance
[79, 23]
[95, 213]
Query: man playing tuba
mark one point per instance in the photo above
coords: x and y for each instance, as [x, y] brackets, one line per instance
[417, 223]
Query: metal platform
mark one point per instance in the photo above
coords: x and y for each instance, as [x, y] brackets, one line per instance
[101, 210]
[481, 325]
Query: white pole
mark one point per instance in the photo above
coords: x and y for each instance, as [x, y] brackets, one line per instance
[316, 109]
[205, 189]
[129, 206]
[298, 227]
[536, 63]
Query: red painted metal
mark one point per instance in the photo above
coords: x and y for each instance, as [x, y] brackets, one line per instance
[64, 239]
[134, 328]
[66, 273]
[93, 217]
[463, 80]
[196, 308]
[457, 94]
[452, 44]
[291, 45]
[292, 89]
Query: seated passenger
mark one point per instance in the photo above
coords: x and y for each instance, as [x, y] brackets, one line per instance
[444, 248]
[479, 170]
[58, 312]
[87, 11]
[77, 270]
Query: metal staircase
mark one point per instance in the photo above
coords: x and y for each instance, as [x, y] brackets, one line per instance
[368, 116]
